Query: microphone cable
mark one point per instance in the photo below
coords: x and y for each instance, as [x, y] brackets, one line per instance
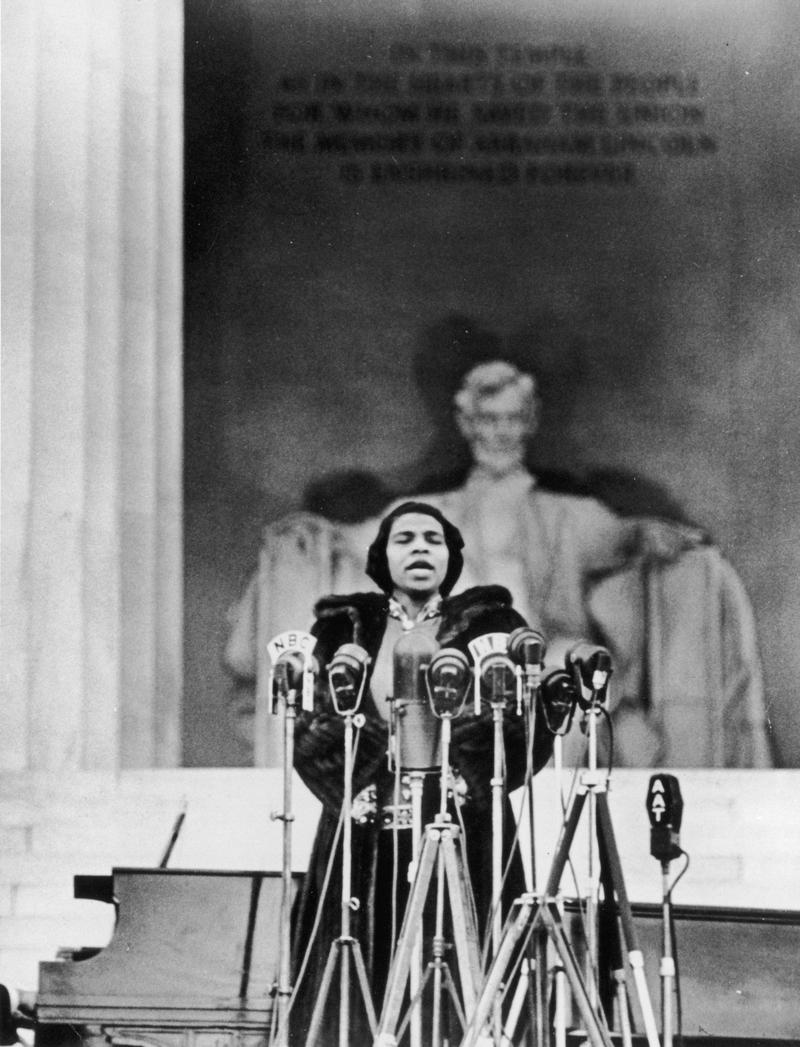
[674, 942]
[565, 806]
[515, 846]
[610, 726]
[463, 848]
[515, 843]
[396, 783]
[318, 914]
[322, 894]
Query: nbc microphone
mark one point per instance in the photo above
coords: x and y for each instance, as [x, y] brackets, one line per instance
[347, 674]
[287, 676]
[293, 669]
[665, 810]
[498, 679]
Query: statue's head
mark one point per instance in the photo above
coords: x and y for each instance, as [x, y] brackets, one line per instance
[497, 411]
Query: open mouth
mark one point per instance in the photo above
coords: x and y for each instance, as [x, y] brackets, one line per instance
[420, 565]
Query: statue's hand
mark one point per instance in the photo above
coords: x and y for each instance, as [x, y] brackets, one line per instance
[662, 541]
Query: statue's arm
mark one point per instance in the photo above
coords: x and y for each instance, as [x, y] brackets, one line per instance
[239, 653]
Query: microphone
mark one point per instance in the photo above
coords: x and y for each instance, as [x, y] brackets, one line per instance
[418, 729]
[347, 674]
[665, 810]
[293, 667]
[591, 668]
[289, 677]
[287, 674]
[559, 696]
[449, 679]
[498, 679]
[527, 648]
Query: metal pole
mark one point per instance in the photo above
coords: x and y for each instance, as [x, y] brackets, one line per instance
[537, 946]
[497, 853]
[559, 977]
[438, 933]
[417, 780]
[667, 962]
[593, 887]
[347, 860]
[284, 977]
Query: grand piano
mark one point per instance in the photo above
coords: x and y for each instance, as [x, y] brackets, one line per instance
[193, 962]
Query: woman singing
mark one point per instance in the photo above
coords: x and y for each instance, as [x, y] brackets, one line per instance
[416, 560]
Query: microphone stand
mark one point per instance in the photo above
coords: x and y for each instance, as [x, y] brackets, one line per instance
[591, 778]
[287, 817]
[438, 933]
[483, 650]
[416, 782]
[439, 853]
[667, 959]
[527, 648]
[529, 913]
[559, 975]
[665, 809]
[345, 944]
[280, 1019]
[301, 644]
[498, 793]
[533, 976]
[537, 954]
[601, 835]
[595, 782]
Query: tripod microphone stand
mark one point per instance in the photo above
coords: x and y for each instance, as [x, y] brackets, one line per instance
[559, 701]
[527, 649]
[347, 678]
[448, 680]
[552, 701]
[529, 912]
[497, 679]
[415, 751]
[290, 656]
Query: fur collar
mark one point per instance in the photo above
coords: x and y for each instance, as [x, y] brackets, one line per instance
[368, 611]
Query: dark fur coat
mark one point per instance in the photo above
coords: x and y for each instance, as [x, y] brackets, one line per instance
[361, 618]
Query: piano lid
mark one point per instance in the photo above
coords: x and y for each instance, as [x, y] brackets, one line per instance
[185, 943]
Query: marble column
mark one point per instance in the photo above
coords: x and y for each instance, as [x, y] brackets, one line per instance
[91, 411]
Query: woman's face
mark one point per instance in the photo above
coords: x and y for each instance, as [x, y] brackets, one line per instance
[417, 555]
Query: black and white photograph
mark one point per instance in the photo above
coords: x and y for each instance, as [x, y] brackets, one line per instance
[400, 523]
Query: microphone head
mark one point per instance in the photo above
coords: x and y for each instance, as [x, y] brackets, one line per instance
[413, 653]
[664, 801]
[559, 696]
[449, 679]
[527, 647]
[287, 674]
[665, 810]
[346, 676]
[591, 664]
[498, 679]
[418, 732]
